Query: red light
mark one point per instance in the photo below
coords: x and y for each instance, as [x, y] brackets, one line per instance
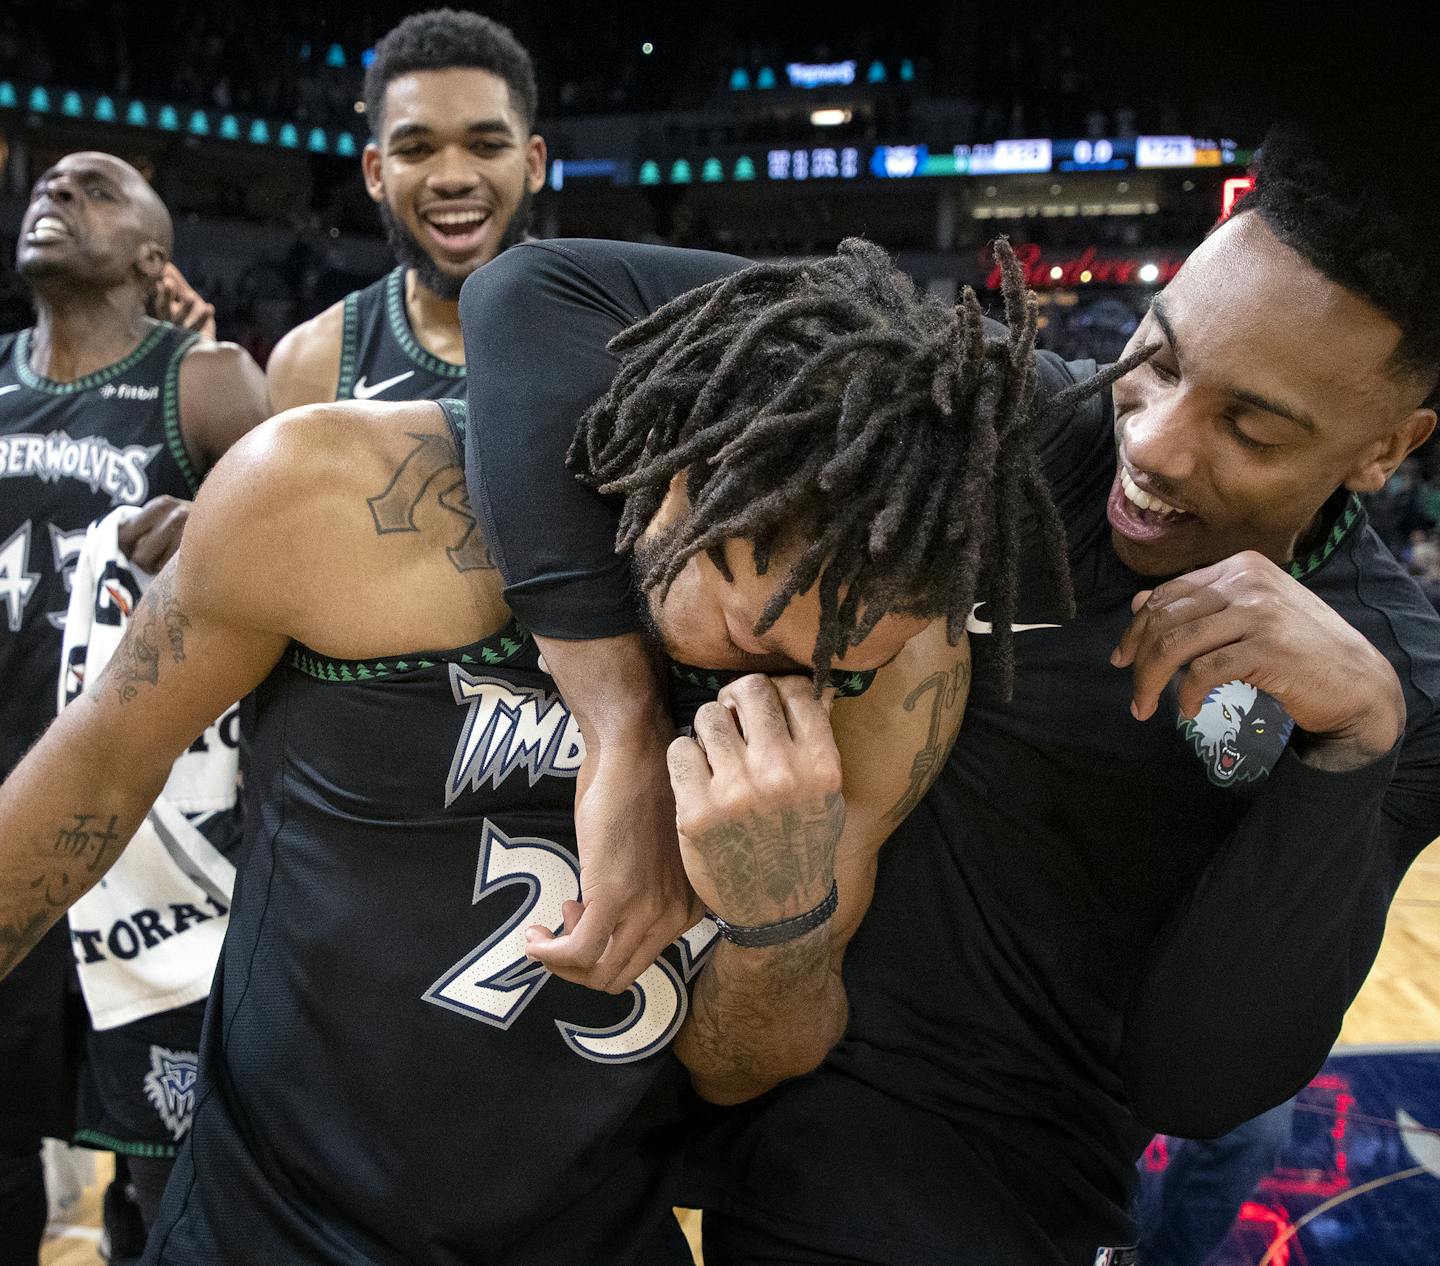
[1273, 1223]
[1234, 188]
[1157, 1155]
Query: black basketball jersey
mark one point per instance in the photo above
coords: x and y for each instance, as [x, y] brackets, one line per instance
[69, 453]
[384, 1076]
[380, 357]
[1018, 918]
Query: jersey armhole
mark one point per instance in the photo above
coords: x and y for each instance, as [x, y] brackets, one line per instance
[349, 341]
[174, 438]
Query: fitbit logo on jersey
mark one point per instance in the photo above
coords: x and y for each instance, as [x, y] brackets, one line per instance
[124, 391]
[118, 472]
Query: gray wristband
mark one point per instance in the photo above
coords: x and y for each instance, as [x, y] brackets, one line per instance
[785, 930]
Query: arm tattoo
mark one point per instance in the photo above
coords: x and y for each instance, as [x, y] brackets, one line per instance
[136, 661]
[393, 510]
[79, 851]
[20, 935]
[741, 1035]
[773, 860]
[176, 622]
[947, 690]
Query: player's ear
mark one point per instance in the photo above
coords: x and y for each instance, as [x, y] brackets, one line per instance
[535, 155]
[150, 261]
[371, 165]
[1382, 459]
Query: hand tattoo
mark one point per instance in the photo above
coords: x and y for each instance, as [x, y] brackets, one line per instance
[774, 865]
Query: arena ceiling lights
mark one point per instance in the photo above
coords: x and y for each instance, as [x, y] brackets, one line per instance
[120, 110]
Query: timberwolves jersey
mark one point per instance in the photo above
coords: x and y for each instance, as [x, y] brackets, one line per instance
[1020, 912]
[385, 1077]
[380, 357]
[69, 453]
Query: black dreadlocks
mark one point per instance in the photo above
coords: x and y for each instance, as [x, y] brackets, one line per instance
[829, 395]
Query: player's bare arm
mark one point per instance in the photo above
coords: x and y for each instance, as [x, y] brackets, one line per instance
[776, 802]
[637, 898]
[288, 541]
[222, 397]
[304, 368]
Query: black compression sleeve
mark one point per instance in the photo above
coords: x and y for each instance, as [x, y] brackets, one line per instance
[1249, 982]
[536, 322]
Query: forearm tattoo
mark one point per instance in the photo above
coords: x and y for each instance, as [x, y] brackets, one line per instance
[740, 1037]
[948, 694]
[432, 464]
[78, 850]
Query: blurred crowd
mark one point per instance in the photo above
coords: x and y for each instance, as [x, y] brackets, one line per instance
[1406, 514]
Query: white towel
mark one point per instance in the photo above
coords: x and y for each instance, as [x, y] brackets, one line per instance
[147, 936]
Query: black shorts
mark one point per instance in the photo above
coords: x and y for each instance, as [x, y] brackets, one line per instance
[41, 1020]
[827, 1170]
[137, 1084]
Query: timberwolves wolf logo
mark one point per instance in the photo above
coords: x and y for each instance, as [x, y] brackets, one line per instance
[510, 727]
[1239, 733]
[170, 1086]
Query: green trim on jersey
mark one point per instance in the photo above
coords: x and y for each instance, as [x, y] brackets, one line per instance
[499, 648]
[405, 336]
[170, 393]
[847, 685]
[109, 1143]
[458, 413]
[38, 382]
[1300, 568]
[349, 341]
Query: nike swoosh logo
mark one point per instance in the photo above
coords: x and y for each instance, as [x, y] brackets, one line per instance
[14, 386]
[364, 392]
[976, 625]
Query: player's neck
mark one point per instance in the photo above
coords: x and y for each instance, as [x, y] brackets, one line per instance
[435, 320]
[77, 334]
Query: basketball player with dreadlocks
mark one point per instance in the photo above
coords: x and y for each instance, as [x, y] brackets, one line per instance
[453, 167]
[1102, 920]
[378, 927]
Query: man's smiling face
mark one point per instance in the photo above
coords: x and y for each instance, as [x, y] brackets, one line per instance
[1272, 387]
[452, 169]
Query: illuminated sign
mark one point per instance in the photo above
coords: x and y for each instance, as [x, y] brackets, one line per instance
[820, 75]
[1234, 188]
[894, 162]
[812, 164]
[1042, 272]
[842, 74]
[1004, 157]
[1182, 151]
[1093, 155]
[1165, 151]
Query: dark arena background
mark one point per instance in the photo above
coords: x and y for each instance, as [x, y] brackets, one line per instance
[1104, 147]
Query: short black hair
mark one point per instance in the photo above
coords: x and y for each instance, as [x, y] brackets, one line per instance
[831, 398]
[444, 38]
[1363, 220]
